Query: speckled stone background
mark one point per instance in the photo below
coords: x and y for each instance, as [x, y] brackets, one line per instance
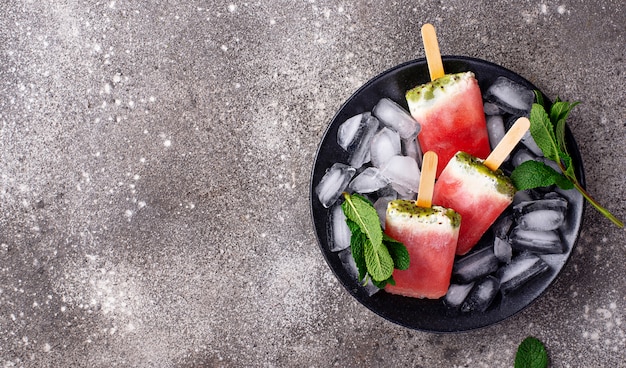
[155, 159]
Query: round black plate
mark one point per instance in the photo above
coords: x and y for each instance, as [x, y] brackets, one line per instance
[423, 314]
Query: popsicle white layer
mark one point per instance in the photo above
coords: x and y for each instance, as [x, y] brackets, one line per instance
[476, 192]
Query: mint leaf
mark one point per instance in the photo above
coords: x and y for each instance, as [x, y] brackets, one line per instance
[383, 283]
[356, 247]
[539, 98]
[558, 114]
[531, 353]
[391, 281]
[560, 135]
[353, 226]
[533, 174]
[561, 109]
[378, 260]
[548, 131]
[379, 284]
[566, 160]
[542, 130]
[398, 252]
[370, 252]
[361, 211]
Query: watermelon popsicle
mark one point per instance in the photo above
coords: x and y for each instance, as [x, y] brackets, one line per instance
[429, 233]
[449, 109]
[476, 189]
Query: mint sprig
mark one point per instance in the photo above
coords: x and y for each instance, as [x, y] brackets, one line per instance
[531, 353]
[548, 131]
[532, 174]
[398, 252]
[375, 254]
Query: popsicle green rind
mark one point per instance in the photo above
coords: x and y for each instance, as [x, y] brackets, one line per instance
[428, 91]
[502, 182]
[435, 214]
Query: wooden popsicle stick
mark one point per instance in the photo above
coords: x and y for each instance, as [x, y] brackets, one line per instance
[506, 145]
[427, 180]
[431, 48]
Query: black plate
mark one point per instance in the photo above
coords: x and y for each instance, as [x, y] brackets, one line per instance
[423, 314]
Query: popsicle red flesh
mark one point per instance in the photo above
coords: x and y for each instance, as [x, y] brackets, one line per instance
[450, 111]
[430, 236]
[476, 192]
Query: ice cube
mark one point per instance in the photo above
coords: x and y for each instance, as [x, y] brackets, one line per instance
[368, 181]
[555, 261]
[456, 294]
[482, 295]
[510, 96]
[521, 156]
[491, 109]
[356, 138]
[350, 129]
[341, 233]
[495, 128]
[361, 153]
[554, 195]
[571, 195]
[411, 148]
[403, 171]
[541, 220]
[333, 183]
[502, 225]
[541, 242]
[475, 265]
[394, 116]
[522, 268]
[387, 191]
[381, 208]
[528, 141]
[345, 256]
[550, 163]
[502, 250]
[385, 144]
[521, 196]
[404, 193]
[542, 214]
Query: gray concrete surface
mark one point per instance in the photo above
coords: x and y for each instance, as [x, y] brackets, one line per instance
[154, 168]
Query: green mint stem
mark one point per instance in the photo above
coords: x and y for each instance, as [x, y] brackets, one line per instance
[593, 202]
[597, 205]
